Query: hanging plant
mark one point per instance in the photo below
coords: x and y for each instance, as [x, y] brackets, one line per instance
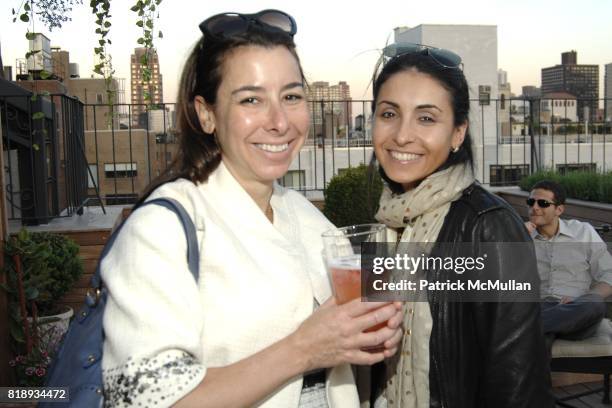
[26, 15]
[147, 11]
[104, 67]
[52, 13]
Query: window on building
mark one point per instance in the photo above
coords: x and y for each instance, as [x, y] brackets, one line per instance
[99, 98]
[507, 174]
[294, 179]
[571, 167]
[93, 169]
[119, 199]
[120, 170]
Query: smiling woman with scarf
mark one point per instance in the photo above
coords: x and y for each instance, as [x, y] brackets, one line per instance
[453, 355]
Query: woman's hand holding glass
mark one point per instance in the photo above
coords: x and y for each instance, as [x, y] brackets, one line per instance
[336, 334]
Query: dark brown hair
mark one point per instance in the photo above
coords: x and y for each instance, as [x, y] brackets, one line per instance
[199, 154]
[557, 189]
[453, 80]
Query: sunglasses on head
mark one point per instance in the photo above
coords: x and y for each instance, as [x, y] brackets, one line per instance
[445, 58]
[226, 25]
[541, 202]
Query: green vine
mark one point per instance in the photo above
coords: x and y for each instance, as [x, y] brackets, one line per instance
[104, 67]
[53, 13]
[26, 15]
[147, 11]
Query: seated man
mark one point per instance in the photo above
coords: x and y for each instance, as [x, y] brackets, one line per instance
[574, 264]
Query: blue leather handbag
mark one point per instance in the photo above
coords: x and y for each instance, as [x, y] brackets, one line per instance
[78, 363]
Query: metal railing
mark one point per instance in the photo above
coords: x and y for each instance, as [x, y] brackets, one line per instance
[44, 154]
[508, 141]
[109, 154]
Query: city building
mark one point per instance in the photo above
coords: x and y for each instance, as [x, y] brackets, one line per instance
[160, 120]
[577, 79]
[140, 89]
[502, 77]
[39, 59]
[608, 93]
[94, 95]
[530, 92]
[505, 95]
[122, 159]
[558, 107]
[64, 79]
[123, 162]
[60, 61]
[330, 108]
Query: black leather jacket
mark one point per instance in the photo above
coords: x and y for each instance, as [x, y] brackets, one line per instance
[487, 354]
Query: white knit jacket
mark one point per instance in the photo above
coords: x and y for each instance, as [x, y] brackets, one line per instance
[257, 284]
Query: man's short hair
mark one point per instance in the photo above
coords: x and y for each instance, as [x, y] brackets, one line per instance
[557, 189]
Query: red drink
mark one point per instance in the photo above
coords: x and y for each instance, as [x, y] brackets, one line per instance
[346, 281]
[346, 278]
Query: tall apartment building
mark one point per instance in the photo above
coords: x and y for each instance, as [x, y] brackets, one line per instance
[577, 79]
[503, 105]
[330, 108]
[608, 93]
[61, 63]
[139, 87]
[502, 77]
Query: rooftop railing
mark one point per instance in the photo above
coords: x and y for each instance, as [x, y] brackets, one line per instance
[77, 154]
[44, 155]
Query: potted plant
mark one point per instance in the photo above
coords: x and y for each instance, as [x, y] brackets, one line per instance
[341, 207]
[40, 268]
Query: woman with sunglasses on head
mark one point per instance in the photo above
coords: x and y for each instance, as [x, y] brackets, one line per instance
[453, 354]
[249, 332]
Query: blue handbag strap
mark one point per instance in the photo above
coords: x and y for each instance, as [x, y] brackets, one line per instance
[193, 253]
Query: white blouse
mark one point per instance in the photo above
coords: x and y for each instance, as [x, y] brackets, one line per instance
[257, 284]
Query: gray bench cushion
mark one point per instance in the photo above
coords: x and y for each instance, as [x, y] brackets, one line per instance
[600, 344]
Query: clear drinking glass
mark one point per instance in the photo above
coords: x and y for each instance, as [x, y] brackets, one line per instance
[342, 255]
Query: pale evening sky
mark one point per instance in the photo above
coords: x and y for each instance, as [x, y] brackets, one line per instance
[334, 36]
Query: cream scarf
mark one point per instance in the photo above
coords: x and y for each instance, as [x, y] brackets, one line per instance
[421, 211]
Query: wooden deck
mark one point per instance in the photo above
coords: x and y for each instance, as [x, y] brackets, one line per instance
[593, 400]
